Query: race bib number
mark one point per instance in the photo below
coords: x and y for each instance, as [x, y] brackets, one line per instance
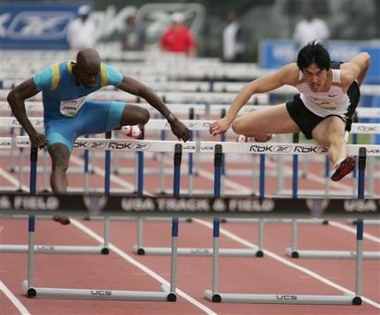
[70, 108]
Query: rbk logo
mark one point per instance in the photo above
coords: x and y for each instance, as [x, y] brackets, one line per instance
[39, 25]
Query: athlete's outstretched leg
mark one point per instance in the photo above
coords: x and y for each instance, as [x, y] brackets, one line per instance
[131, 121]
[330, 133]
[134, 115]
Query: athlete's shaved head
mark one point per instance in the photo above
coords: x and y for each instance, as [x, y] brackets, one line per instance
[88, 58]
[87, 67]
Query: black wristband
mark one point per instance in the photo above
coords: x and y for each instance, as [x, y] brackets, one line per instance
[171, 118]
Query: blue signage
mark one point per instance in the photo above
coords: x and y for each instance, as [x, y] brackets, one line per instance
[276, 53]
[35, 26]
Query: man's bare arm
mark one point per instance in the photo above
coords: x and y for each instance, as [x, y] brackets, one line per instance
[356, 68]
[16, 99]
[135, 87]
[286, 75]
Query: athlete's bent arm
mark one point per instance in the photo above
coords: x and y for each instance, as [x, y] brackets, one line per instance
[356, 68]
[286, 75]
[16, 99]
[135, 87]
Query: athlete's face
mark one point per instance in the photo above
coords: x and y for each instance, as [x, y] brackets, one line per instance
[87, 75]
[315, 77]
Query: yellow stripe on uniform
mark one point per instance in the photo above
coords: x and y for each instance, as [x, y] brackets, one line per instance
[56, 75]
[103, 75]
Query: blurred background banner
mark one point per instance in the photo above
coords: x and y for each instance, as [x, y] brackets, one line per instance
[274, 54]
[35, 25]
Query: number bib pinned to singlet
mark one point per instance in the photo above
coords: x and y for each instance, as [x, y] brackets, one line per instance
[70, 108]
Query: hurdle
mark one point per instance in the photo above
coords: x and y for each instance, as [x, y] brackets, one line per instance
[294, 252]
[63, 249]
[214, 295]
[144, 250]
[166, 294]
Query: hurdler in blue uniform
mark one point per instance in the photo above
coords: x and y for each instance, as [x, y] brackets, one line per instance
[68, 114]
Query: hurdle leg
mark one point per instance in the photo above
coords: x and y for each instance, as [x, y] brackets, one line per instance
[174, 251]
[21, 169]
[140, 191]
[292, 251]
[45, 187]
[213, 295]
[260, 249]
[31, 241]
[32, 221]
[139, 242]
[173, 261]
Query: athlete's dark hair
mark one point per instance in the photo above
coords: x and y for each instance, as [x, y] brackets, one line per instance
[313, 53]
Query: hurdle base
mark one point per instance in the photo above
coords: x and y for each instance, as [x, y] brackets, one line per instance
[274, 220]
[241, 252]
[55, 249]
[282, 298]
[98, 294]
[331, 254]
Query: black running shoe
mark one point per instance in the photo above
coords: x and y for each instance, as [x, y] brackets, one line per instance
[62, 220]
[345, 167]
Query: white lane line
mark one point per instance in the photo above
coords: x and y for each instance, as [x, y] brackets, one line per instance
[353, 231]
[144, 268]
[16, 302]
[11, 178]
[287, 262]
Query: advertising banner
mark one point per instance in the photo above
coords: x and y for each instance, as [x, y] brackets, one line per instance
[35, 26]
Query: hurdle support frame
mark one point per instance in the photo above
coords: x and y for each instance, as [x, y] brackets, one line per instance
[282, 298]
[99, 294]
[214, 295]
[166, 293]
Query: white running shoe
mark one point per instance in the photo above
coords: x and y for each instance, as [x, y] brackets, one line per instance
[132, 131]
[242, 138]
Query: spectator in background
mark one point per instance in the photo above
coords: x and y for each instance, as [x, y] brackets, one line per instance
[311, 29]
[233, 45]
[178, 38]
[82, 32]
[132, 36]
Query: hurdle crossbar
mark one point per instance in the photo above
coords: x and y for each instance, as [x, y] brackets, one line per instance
[197, 146]
[162, 124]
